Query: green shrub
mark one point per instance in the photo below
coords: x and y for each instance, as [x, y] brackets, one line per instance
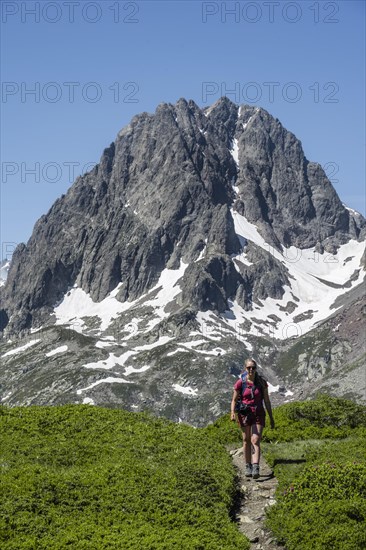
[328, 480]
[85, 477]
[91, 478]
[324, 508]
[328, 411]
[321, 418]
[320, 525]
[350, 449]
[322, 482]
[225, 431]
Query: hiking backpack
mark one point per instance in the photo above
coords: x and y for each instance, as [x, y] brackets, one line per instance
[243, 378]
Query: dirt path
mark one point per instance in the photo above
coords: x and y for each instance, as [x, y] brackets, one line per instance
[256, 495]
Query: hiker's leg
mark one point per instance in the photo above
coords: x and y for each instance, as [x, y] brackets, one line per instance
[247, 444]
[256, 441]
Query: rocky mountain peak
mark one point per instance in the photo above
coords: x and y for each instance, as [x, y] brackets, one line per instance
[166, 192]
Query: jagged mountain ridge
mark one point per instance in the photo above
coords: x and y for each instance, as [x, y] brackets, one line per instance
[174, 256]
[163, 189]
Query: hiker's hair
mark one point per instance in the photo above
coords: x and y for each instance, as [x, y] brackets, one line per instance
[251, 360]
[258, 380]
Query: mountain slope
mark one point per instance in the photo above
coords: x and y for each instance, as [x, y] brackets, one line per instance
[202, 236]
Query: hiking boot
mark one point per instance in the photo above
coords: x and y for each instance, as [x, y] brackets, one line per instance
[248, 469]
[255, 471]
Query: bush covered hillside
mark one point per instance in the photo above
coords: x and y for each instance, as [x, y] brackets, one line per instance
[318, 452]
[83, 477]
[320, 461]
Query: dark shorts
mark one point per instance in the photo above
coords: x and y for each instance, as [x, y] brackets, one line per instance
[254, 418]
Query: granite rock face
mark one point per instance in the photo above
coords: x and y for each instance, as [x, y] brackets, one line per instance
[163, 193]
[289, 198]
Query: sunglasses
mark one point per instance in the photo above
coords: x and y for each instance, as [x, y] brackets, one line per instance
[251, 368]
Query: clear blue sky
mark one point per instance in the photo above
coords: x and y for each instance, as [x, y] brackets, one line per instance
[93, 65]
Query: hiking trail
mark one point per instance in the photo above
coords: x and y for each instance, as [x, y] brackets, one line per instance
[255, 497]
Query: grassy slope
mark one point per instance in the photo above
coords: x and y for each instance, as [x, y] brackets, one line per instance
[85, 477]
[320, 461]
[318, 451]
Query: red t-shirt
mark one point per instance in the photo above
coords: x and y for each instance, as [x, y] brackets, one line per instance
[253, 399]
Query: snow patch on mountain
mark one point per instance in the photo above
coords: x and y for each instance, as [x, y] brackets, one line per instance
[308, 264]
[109, 380]
[21, 348]
[354, 212]
[112, 361]
[88, 401]
[272, 389]
[101, 344]
[192, 346]
[178, 350]
[120, 360]
[77, 304]
[60, 349]
[4, 268]
[316, 280]
[162, 340]
[245, 124]
[133, 370]
[202, 253]
[213, 326]
[7, 396]
[169, 289]
[187, 390]
[235, 151]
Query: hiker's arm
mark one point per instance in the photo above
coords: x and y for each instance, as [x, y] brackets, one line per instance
[268, 405]
[233, 403]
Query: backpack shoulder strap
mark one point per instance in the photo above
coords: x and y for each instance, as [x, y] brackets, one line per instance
[244, 385]
[243, 378]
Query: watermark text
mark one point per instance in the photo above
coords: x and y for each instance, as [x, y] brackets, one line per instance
[70, 12]
[69, 92]
[269, 12]
[271, 91]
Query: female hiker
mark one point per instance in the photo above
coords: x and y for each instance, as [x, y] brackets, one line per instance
[252, 420]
